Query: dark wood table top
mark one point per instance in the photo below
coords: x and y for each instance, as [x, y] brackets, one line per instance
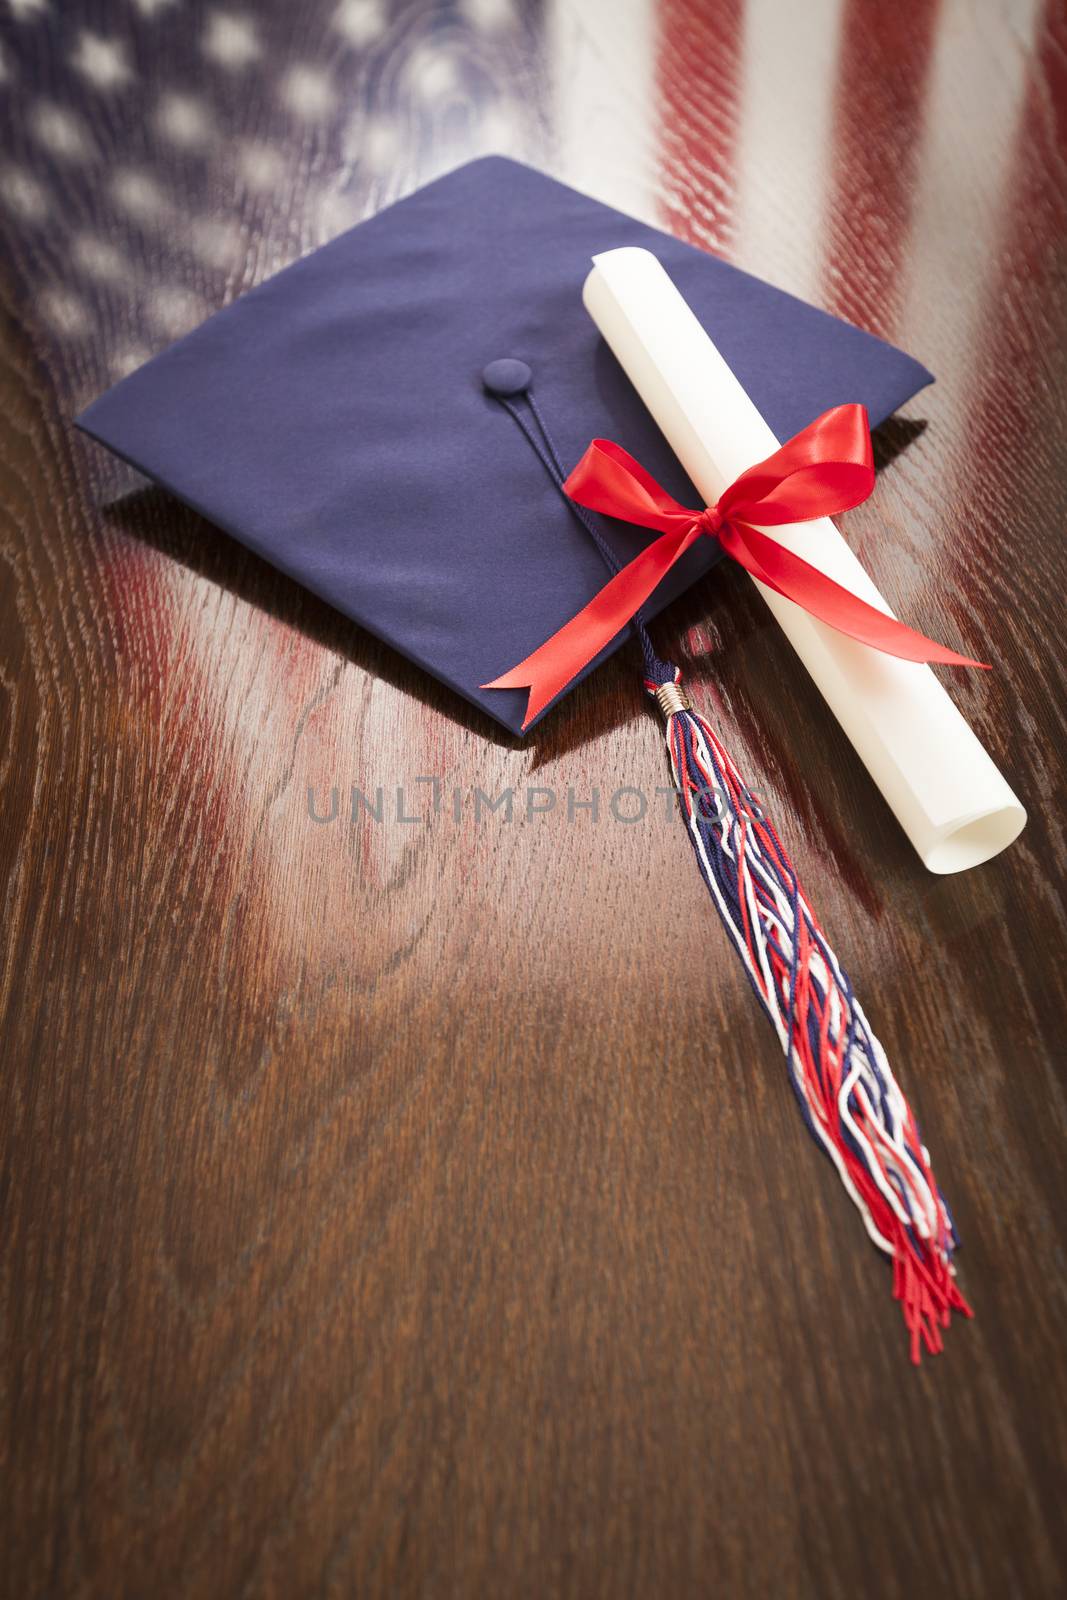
[424, 1210]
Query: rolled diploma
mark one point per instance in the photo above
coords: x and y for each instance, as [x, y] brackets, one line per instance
[944, 790]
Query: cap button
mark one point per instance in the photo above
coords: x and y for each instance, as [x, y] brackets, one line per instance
[507, 377]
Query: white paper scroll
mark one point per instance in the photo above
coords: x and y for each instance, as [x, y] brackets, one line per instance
[946, 793]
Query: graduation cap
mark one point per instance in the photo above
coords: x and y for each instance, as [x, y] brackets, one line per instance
[392, 420]
[334, 419]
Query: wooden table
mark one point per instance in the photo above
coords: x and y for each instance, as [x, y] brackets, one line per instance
[423, 1210]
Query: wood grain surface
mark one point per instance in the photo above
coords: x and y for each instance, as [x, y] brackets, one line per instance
[422, 1209]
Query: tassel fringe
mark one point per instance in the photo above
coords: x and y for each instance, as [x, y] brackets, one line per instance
[847, 1093]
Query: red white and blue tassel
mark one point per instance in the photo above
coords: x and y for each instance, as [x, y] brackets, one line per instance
[843, 1082]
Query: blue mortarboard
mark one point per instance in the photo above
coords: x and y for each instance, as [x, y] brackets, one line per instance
[334, 419]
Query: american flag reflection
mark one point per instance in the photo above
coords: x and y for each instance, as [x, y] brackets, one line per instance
[160, 156]
[153, 146]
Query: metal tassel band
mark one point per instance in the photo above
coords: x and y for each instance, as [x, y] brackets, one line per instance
[671, 697]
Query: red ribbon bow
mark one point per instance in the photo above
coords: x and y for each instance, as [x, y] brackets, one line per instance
[824, 469]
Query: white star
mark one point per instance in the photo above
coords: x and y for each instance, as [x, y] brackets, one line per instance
[337, 213]
[64, 311]
[359, 21]
[216, 241]
[375, 143]
[230, 40]
[138, 194]
[307, 92]
[97, 257]
[432, 76]
[175, 309]
[498, 131]
[102, 61]
[183, 120]
[23, 195]
[60, 132]
[488, 14]
[259, 165]
[128, 359]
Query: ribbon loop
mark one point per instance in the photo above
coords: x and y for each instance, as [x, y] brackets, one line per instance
[825, 469]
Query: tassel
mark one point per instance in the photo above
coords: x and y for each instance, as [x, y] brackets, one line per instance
[847, 1093]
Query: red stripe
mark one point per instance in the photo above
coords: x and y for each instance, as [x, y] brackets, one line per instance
[698, 82]
[882, 80]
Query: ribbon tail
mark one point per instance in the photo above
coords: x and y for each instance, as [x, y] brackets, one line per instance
[553, 664]
[796, 579]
